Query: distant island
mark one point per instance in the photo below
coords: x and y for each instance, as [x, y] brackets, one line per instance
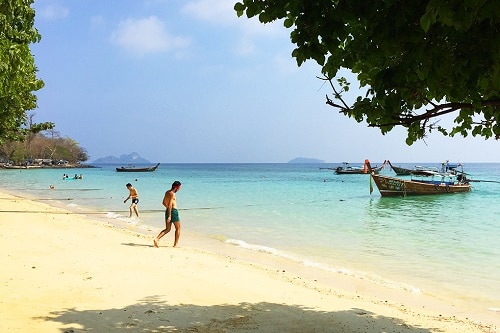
[132, 158]
[306, 160]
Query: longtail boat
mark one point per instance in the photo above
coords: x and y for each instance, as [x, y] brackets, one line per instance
[134, 169]
[431, 182]
[399, 170]
[356, 170]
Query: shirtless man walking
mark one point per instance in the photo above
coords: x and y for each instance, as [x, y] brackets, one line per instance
[171, 214]
[134, 195]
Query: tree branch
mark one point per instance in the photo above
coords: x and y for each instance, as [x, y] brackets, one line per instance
[437, 111]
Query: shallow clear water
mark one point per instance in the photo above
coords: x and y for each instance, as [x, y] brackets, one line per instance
[445, 244]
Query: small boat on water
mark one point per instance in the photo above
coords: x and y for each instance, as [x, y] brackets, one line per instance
[134, 169]
[11, 166]
[448, 180]
[349, 170]
[399, 170]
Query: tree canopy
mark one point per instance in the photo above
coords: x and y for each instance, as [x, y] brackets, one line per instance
[18, 80]
[418, 60]
[46, 145]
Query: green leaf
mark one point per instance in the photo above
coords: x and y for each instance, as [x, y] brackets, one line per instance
[239, 8]
[426, 21]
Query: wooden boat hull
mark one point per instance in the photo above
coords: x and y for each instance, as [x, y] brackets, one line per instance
[399, 170]
[391, 187]
[127, 169]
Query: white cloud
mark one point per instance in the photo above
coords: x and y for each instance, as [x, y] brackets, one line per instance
[53, 12]
[147, 35]
[221, 12]
[250, 32]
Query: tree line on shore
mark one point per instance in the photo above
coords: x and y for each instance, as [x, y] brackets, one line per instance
[46, 147]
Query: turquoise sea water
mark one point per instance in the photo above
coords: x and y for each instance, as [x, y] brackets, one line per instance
[448, 245]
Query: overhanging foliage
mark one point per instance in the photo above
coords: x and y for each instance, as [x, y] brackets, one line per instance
[419, 60]
[18, 78]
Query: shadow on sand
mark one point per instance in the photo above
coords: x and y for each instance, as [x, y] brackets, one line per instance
[155, 315]
[139, 244]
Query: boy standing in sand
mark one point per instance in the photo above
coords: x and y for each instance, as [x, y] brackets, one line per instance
[134, 195]
[171, 214]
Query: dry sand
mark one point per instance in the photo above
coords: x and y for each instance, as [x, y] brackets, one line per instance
[63, 272]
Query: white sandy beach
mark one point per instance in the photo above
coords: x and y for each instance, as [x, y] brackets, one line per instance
[63, 272]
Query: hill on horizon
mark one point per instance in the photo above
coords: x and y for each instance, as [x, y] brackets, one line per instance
[123, 159]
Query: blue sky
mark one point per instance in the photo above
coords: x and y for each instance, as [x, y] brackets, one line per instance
[189, 81]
